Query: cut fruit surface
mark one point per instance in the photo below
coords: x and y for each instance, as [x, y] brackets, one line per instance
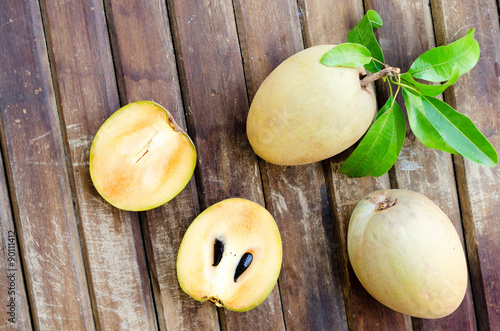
[140, 158]
[231, 255]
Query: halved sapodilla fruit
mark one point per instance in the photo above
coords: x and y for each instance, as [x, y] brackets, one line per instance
[230, 255]
[140, 158]
[407, 254]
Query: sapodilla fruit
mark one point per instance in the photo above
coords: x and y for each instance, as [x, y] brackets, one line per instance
[305, 111]
[230, 255]
[140, 158]
[407, 254]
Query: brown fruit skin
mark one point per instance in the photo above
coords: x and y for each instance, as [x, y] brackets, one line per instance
[407, 254]
[306, 112]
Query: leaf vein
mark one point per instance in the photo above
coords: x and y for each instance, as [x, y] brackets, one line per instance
[372, 145]
[453, 124]
[442, 63]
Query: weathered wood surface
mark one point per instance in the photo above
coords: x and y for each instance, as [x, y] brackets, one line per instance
[34, 154]
[479, 188]
[12, 283]
[86, 88]
[82, 264]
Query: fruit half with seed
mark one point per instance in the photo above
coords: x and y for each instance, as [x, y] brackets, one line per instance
[140, 158]
[407, 254]
[230, 255]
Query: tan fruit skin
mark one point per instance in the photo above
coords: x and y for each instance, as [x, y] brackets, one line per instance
[306, 112]
[409, 256]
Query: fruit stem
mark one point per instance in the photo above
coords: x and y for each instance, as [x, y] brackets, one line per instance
[387, 71]
[386, 204]
[217, 301]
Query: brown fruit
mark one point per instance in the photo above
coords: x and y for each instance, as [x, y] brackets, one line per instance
[407, 253]
[306, 112]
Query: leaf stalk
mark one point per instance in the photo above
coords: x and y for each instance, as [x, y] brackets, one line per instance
[387, 71]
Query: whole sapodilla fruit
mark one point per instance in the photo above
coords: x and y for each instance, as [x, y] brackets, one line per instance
[140, 158]
[305, 111]
[231, 255]
[407, 254]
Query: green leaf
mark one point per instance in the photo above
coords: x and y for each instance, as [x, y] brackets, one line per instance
[374, 18]
[347, 55]
[399, 117]
[459, 132]
[384, 108]
[420, 125]
[363, 34]
[436, 65]
[398, 138]
[379, 149]
[432, 90]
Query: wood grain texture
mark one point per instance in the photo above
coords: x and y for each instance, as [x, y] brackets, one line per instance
[38, 176]
[16, 312]
[142, 48]
[269, 32]
[329, 24]
[84, 265]
[310, 280]
[420, 169]
[476, 95]
[216, 104]
[86, 88]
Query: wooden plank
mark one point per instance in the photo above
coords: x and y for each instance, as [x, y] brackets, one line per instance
[87, 93]
[435, 177]
[311, 294]
[329, 23]
[14, 296]
[146, 66]
[216, 103]
[38, 177]
[476, 95]
[310, 285]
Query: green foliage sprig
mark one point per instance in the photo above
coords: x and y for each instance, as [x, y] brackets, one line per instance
[435, 123]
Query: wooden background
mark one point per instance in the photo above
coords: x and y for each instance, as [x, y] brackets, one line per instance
[66, 65]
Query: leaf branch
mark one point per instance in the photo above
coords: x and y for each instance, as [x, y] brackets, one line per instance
[387, 71]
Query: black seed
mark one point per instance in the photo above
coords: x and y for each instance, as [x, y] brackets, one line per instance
[218, 250]
[243, 265]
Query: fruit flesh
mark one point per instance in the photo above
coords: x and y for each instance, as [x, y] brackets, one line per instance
[139, 159]
[407, 254]
[243, 227]
[306, 112]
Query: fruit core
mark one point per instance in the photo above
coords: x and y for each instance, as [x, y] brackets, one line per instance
[243, 264]
[230, 255]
